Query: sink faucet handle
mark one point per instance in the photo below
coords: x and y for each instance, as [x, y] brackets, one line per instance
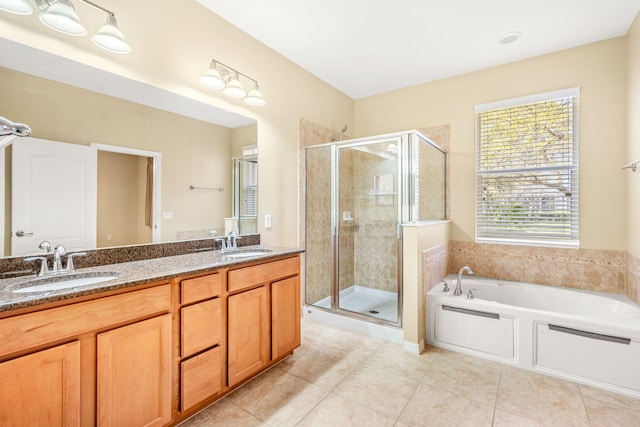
[43, 264]
[70, 267]
[223, 243]
[45, 245]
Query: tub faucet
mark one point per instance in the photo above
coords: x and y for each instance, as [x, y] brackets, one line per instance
[458, 290]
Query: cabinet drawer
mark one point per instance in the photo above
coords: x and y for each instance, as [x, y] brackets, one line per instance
[42, 327]
[201, 377]
[201, 326]
[200, 288]
[267, 272]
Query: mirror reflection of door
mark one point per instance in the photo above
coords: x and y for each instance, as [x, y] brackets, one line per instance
[53, 195]
[124, 199]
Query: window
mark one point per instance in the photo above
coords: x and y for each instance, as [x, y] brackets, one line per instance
[527, 169]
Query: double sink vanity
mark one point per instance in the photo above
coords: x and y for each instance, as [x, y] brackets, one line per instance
[144, 343]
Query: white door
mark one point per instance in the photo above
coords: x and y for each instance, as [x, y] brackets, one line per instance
[54, 188]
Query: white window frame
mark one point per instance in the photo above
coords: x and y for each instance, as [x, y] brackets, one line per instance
[520, 237]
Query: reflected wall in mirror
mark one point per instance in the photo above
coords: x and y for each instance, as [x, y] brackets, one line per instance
[194, 152]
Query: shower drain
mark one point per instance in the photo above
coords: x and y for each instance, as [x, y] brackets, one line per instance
[374, 312]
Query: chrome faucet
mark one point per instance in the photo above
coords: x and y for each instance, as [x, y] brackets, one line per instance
[228, 243]
[58, 252]
[458, 290]
[232, 240]
[56, 267]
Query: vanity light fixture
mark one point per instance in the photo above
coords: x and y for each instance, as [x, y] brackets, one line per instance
[19, 7]
[219, 76]
[61, 16]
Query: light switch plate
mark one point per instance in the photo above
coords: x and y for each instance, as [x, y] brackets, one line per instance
[267, 221]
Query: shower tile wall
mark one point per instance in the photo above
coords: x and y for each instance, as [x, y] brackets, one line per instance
[375, 237]
[318, 244]
[348, 229]
[317, 255]
[440, 135]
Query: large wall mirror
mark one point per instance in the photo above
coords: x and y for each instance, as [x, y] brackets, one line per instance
[196, 172]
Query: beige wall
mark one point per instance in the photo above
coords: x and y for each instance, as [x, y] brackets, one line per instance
[633, 153]
[121, 200]
[242, 137]
[599, 69]
[170, 51]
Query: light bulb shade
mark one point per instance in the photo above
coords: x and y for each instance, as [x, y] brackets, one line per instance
[212, 78]
[110, 38]
[19, 7]
[62, 17]
[255, 98]
[234, 88]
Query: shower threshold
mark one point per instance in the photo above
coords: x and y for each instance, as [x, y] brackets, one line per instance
[371, 302]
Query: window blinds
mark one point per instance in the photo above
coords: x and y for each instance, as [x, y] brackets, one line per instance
[527, 171]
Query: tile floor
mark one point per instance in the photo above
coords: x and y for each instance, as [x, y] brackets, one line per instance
[339, 378]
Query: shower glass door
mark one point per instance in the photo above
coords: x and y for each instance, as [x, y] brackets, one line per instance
[367, 229]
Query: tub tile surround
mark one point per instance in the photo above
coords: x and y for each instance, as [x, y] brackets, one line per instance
[588, 269]
[633, 278]
[339, 378]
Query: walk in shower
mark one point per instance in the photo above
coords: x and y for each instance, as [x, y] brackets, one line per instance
[359, 193]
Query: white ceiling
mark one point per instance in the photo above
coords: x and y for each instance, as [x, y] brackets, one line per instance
[367, 47]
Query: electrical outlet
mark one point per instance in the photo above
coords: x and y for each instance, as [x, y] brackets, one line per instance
[267, 221]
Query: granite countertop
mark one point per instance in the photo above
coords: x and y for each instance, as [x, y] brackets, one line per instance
[130, 274]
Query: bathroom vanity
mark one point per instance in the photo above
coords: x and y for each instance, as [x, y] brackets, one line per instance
[152, 347]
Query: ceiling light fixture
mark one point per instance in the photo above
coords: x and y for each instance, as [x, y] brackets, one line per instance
[510, 37]
[61, 16]
[219, 76]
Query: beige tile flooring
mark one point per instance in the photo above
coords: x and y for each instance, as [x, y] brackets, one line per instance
[338, 378]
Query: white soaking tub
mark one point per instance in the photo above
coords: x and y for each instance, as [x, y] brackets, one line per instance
[584, 336]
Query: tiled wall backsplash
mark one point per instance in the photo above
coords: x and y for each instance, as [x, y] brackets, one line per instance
[589, 269]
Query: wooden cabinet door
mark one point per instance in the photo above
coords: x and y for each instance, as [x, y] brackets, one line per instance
[285, 316]
[248, 334]
[41, 389]
[134, 374]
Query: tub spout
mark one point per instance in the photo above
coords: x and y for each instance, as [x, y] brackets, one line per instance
[458, 290]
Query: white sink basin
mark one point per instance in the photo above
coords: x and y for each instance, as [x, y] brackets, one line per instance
[67, 281]
[246, 253]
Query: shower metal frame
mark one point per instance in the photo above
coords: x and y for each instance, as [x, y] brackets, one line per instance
[407, 193]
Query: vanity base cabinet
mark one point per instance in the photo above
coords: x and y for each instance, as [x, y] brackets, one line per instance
[134, 374]
[104, 362]
[42, 388]
[248, 334]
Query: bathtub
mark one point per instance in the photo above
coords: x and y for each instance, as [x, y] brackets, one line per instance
[588, 337]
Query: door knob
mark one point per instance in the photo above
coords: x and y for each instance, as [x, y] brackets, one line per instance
[21, 233]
